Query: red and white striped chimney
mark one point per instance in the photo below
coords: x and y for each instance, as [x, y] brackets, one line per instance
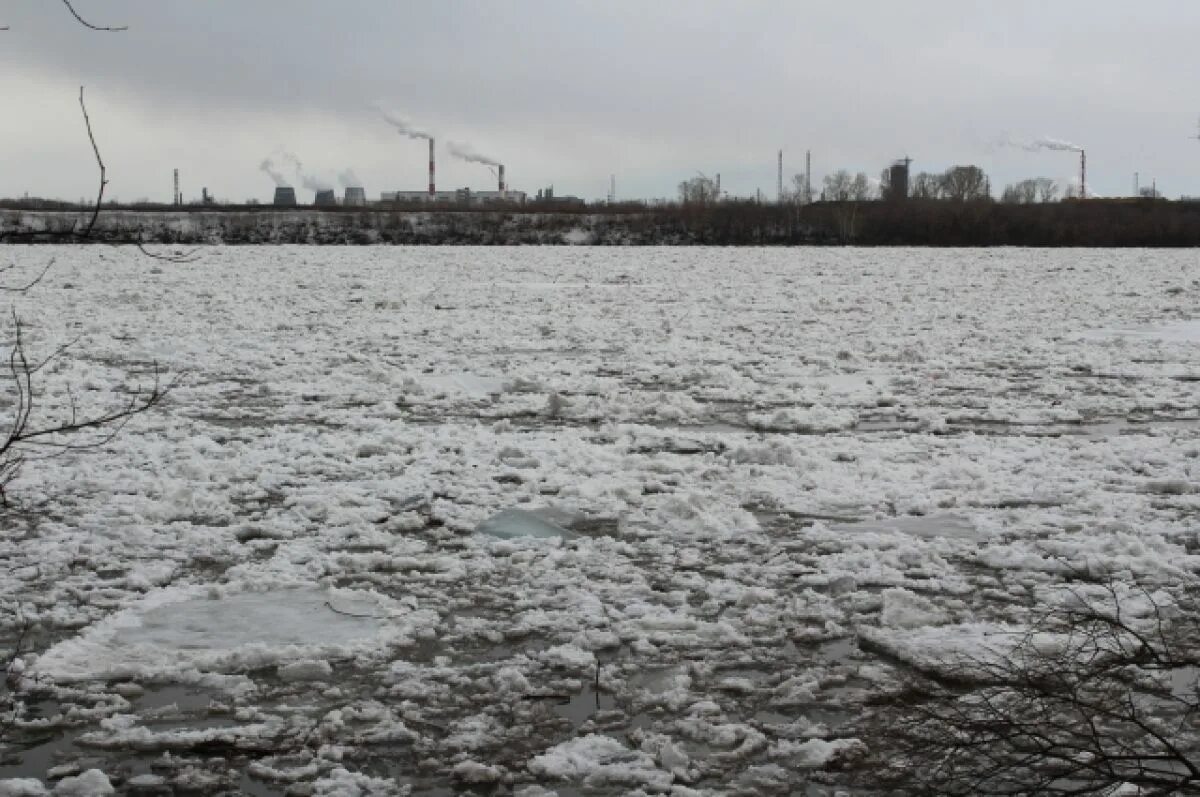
[502, 187]
[432, 185]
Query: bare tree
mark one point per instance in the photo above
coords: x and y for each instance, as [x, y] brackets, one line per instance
[1022, 193]
[841, 186]
[800, 188]
[860, 189]
[1027, 192]
[926, 186]
[964, 184]
[1047, 189]
[1099, 696]
[838, 186]
[699, 190]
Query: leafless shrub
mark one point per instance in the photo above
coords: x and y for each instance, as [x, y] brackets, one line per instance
[32, 432]
[11, 668]
[29, 437]
[1098, 697]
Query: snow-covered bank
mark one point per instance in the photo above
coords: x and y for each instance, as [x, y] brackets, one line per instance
[567, 520]
[305, 226]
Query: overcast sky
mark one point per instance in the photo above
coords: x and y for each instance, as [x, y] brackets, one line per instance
[567, 92]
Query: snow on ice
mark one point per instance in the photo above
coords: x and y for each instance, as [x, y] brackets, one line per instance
[565, 520]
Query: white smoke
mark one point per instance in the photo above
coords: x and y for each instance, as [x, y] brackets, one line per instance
[1039, 144]
[402, 125]
[269, 167]
[464, 152]
[310, 181]
[349, 179]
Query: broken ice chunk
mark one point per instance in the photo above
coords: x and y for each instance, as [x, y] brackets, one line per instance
[514, 523]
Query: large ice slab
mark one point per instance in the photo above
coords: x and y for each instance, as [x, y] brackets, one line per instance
[927, 526]
[1175, 332]
[468, 384]
[181, 629]
[517, 523]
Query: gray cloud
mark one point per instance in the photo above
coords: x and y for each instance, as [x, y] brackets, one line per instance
[569, 91]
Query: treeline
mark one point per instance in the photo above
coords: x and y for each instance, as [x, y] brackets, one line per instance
[917, 222]
[913, 222]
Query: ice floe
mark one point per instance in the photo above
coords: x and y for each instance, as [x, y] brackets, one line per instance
[182, 629]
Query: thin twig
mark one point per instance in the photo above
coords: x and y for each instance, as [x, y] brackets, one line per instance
[331, 608]
[26, 287]
[87, 24]
[181, 257]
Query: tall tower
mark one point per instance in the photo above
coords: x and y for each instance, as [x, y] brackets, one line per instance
[176, 200]
[432, 184]
[807, 176]
[1082, 174]
[612, 189]
[779, 180]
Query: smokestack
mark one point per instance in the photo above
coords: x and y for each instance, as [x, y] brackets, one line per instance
[177, 199]
[807, 176]
[1082, 174]
[432, 186]
[779, 183]
[500, 172]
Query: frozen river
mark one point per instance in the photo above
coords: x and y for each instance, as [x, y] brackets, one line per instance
[567, 520]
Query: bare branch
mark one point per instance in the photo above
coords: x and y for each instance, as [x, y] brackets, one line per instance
[99, 162]
[1085, 699]
[87, 24]
[27, 286]
[78, 431]
[179, 257]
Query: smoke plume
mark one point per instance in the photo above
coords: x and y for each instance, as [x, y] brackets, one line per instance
[403, 126]
[309, 181]
[268, 166]
[349, 179]
[1042, 144]
[464, 152]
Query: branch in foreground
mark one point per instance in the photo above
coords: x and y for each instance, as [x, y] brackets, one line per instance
[1100, 693]
[99, 162]
[87, 24]
[78, 431]
[83, 21]
[189, 256]
[28, 285]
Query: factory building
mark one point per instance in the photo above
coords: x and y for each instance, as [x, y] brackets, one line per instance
[462, 196]
[548, 197]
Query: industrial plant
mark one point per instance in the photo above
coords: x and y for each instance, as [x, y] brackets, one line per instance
[459, 196]
[356, 196]
[895, 184]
